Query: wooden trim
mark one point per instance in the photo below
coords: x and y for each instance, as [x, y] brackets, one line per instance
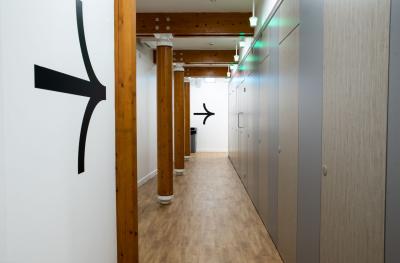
[194, 24]
[200, 72]
[125, 119]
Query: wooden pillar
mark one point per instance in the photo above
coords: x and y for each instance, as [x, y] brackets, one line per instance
[125, 130]
[187, 118]
[179, 119]
[164, 119]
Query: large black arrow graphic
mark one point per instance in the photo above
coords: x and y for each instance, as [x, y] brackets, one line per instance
[208, 114]
[48, 79]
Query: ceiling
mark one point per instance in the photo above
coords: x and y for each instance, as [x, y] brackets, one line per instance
[198, 43]
[197, 6]
[178, 6]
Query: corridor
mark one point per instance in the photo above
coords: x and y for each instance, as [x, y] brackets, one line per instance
[199, 131]
[211, 219]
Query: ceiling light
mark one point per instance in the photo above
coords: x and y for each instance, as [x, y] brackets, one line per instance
[236, 56]
[253, 19]
[228, 74]
[211, 43]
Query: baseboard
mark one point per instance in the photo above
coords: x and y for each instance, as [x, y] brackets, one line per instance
[212, 150]
[147, 178]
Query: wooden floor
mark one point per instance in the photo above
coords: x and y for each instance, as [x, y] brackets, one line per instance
[210, 220]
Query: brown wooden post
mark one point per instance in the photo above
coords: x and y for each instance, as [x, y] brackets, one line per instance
[164, 119]
[187, 118]
[179, 119]
[125, 121]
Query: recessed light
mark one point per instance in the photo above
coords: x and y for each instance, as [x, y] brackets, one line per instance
[211, 43]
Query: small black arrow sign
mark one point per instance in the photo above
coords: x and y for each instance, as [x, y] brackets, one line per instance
[208, 114]
[52, 80]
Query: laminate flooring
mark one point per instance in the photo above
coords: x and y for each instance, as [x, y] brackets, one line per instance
[211, 219]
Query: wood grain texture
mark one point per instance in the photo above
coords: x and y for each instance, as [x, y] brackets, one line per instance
[164, 121]
[179, 120]
[125, 121]
[187, 118]
[204, 56]
[289, 145]
[211, 220]
[356, 41]
[201, 56]
[203, 72]
[194, 24]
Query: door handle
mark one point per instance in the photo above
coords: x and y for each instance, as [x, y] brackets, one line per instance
[240, 113]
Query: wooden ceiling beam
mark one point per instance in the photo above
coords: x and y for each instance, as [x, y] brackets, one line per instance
[194, 24]
[204, 56]
[201, 56]
[205, 72]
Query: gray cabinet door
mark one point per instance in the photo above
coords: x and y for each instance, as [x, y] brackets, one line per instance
[356, 37]
[268, 131]
[243, 133]
[263, 148]
[233, 123]
[288, 142]
[253, 109]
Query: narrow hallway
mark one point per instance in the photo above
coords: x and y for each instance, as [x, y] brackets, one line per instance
[210, 220]
[188, 131]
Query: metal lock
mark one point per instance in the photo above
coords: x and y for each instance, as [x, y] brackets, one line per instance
[324, 170]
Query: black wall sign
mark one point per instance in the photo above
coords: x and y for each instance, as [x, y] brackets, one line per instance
[208, 114]
[56, 81]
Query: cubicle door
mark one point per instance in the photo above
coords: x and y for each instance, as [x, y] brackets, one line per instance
[243, 132]
[233, 124]
[253, 131]
[288, 145]
[355, 100]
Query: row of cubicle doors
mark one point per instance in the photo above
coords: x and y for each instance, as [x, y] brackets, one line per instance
[264, 100]
[263, 131]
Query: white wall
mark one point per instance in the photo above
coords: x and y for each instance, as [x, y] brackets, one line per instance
[263, 10]
[52, 213]
[2, 174]
[146, 114]
[212, 137]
